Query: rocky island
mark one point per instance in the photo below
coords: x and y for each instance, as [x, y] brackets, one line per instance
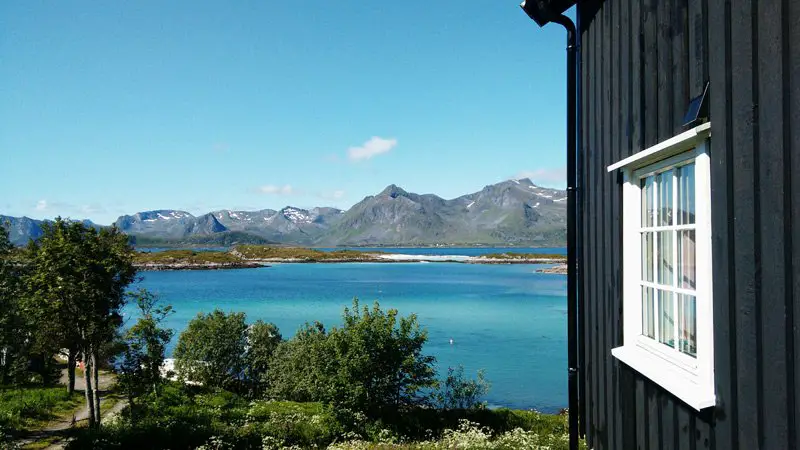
[191, 260]
[252, 256]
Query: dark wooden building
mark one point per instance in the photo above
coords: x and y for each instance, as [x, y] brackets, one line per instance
[690, 293]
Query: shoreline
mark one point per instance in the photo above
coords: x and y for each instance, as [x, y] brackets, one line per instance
[267, 262]
[560, 269]
[164, 267]
[250, 257]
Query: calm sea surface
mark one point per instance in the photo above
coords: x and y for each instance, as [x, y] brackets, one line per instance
[505, 319]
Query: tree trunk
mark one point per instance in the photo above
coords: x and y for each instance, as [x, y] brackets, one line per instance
[131, 408]
[71, 357]
[4, 363]
[87, 378]
[96, 385]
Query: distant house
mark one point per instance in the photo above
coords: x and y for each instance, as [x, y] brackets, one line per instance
[689, 297]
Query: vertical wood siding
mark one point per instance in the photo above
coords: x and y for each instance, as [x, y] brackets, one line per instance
[642, 60]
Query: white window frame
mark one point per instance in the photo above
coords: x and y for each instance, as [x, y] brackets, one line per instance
[690, 379]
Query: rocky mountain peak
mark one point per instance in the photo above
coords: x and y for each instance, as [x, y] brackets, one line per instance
[393, 191]
[513, 212]
[297, 215]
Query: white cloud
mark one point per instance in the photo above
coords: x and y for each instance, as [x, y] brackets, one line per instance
[41, 205]
[333, 195]
[553, 177]
[92, 209]
[373, 147]
[271, 189]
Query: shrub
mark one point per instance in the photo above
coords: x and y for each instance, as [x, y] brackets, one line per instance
[262, 340]
[219, 350]
[287, 423]
[457, 392]
[471, 436]
[373, 363]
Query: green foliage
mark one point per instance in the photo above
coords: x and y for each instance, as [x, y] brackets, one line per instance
[15, 329]
[299, 368]
[76, 283]
[262, 340]
[301, 254]
[21, 408]
[211, 351]
[288, 423]
[471, 436]
[186, 257]
[180, 417]
[144, 347]
[380, 360]
[188, 417]
[219, 350]
[373, 363]
[75, 286]
[193, 416]
[458, 392]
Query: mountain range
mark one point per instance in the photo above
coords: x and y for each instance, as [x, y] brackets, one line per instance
[513, 212]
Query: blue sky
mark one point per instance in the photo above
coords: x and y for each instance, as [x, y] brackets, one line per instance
[117, 107]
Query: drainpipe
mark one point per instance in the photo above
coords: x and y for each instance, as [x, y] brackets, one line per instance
[572, 256]
[579, 197]
[543, 12]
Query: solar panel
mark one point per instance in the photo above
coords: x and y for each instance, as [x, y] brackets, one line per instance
[697, 111]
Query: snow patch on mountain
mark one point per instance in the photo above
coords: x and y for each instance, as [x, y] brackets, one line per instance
[297, 216]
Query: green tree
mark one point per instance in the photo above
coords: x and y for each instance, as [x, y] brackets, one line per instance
[380, 361]
[299, 369]
[75, 288]
[145, 345]
[373, 363]
[262, 340]
[15, 331]
[458, 392]
[211, 350]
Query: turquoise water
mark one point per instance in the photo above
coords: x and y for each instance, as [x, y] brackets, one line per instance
[505, 319]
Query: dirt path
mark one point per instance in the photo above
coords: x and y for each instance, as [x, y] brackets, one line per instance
[55, 431]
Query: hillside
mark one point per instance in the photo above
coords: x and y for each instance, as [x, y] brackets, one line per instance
[513, 212]
[23, 229]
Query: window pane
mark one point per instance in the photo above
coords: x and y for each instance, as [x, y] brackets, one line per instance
[666, 323]
[687, 271]
[647, 257]
[664, 207]
[648, 191]
[648, 316]
[687, 324]
[666, 260]
[686, 194]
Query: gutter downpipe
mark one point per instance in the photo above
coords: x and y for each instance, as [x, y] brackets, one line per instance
[579, 198]
[572, 260]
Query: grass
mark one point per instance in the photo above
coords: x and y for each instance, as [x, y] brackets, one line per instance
[186, 257]
[191, 416]
[108, 402]
[303, 254]
[24, 409]
[43, 443]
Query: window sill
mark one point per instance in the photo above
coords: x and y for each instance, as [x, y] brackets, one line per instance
[670, 377]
